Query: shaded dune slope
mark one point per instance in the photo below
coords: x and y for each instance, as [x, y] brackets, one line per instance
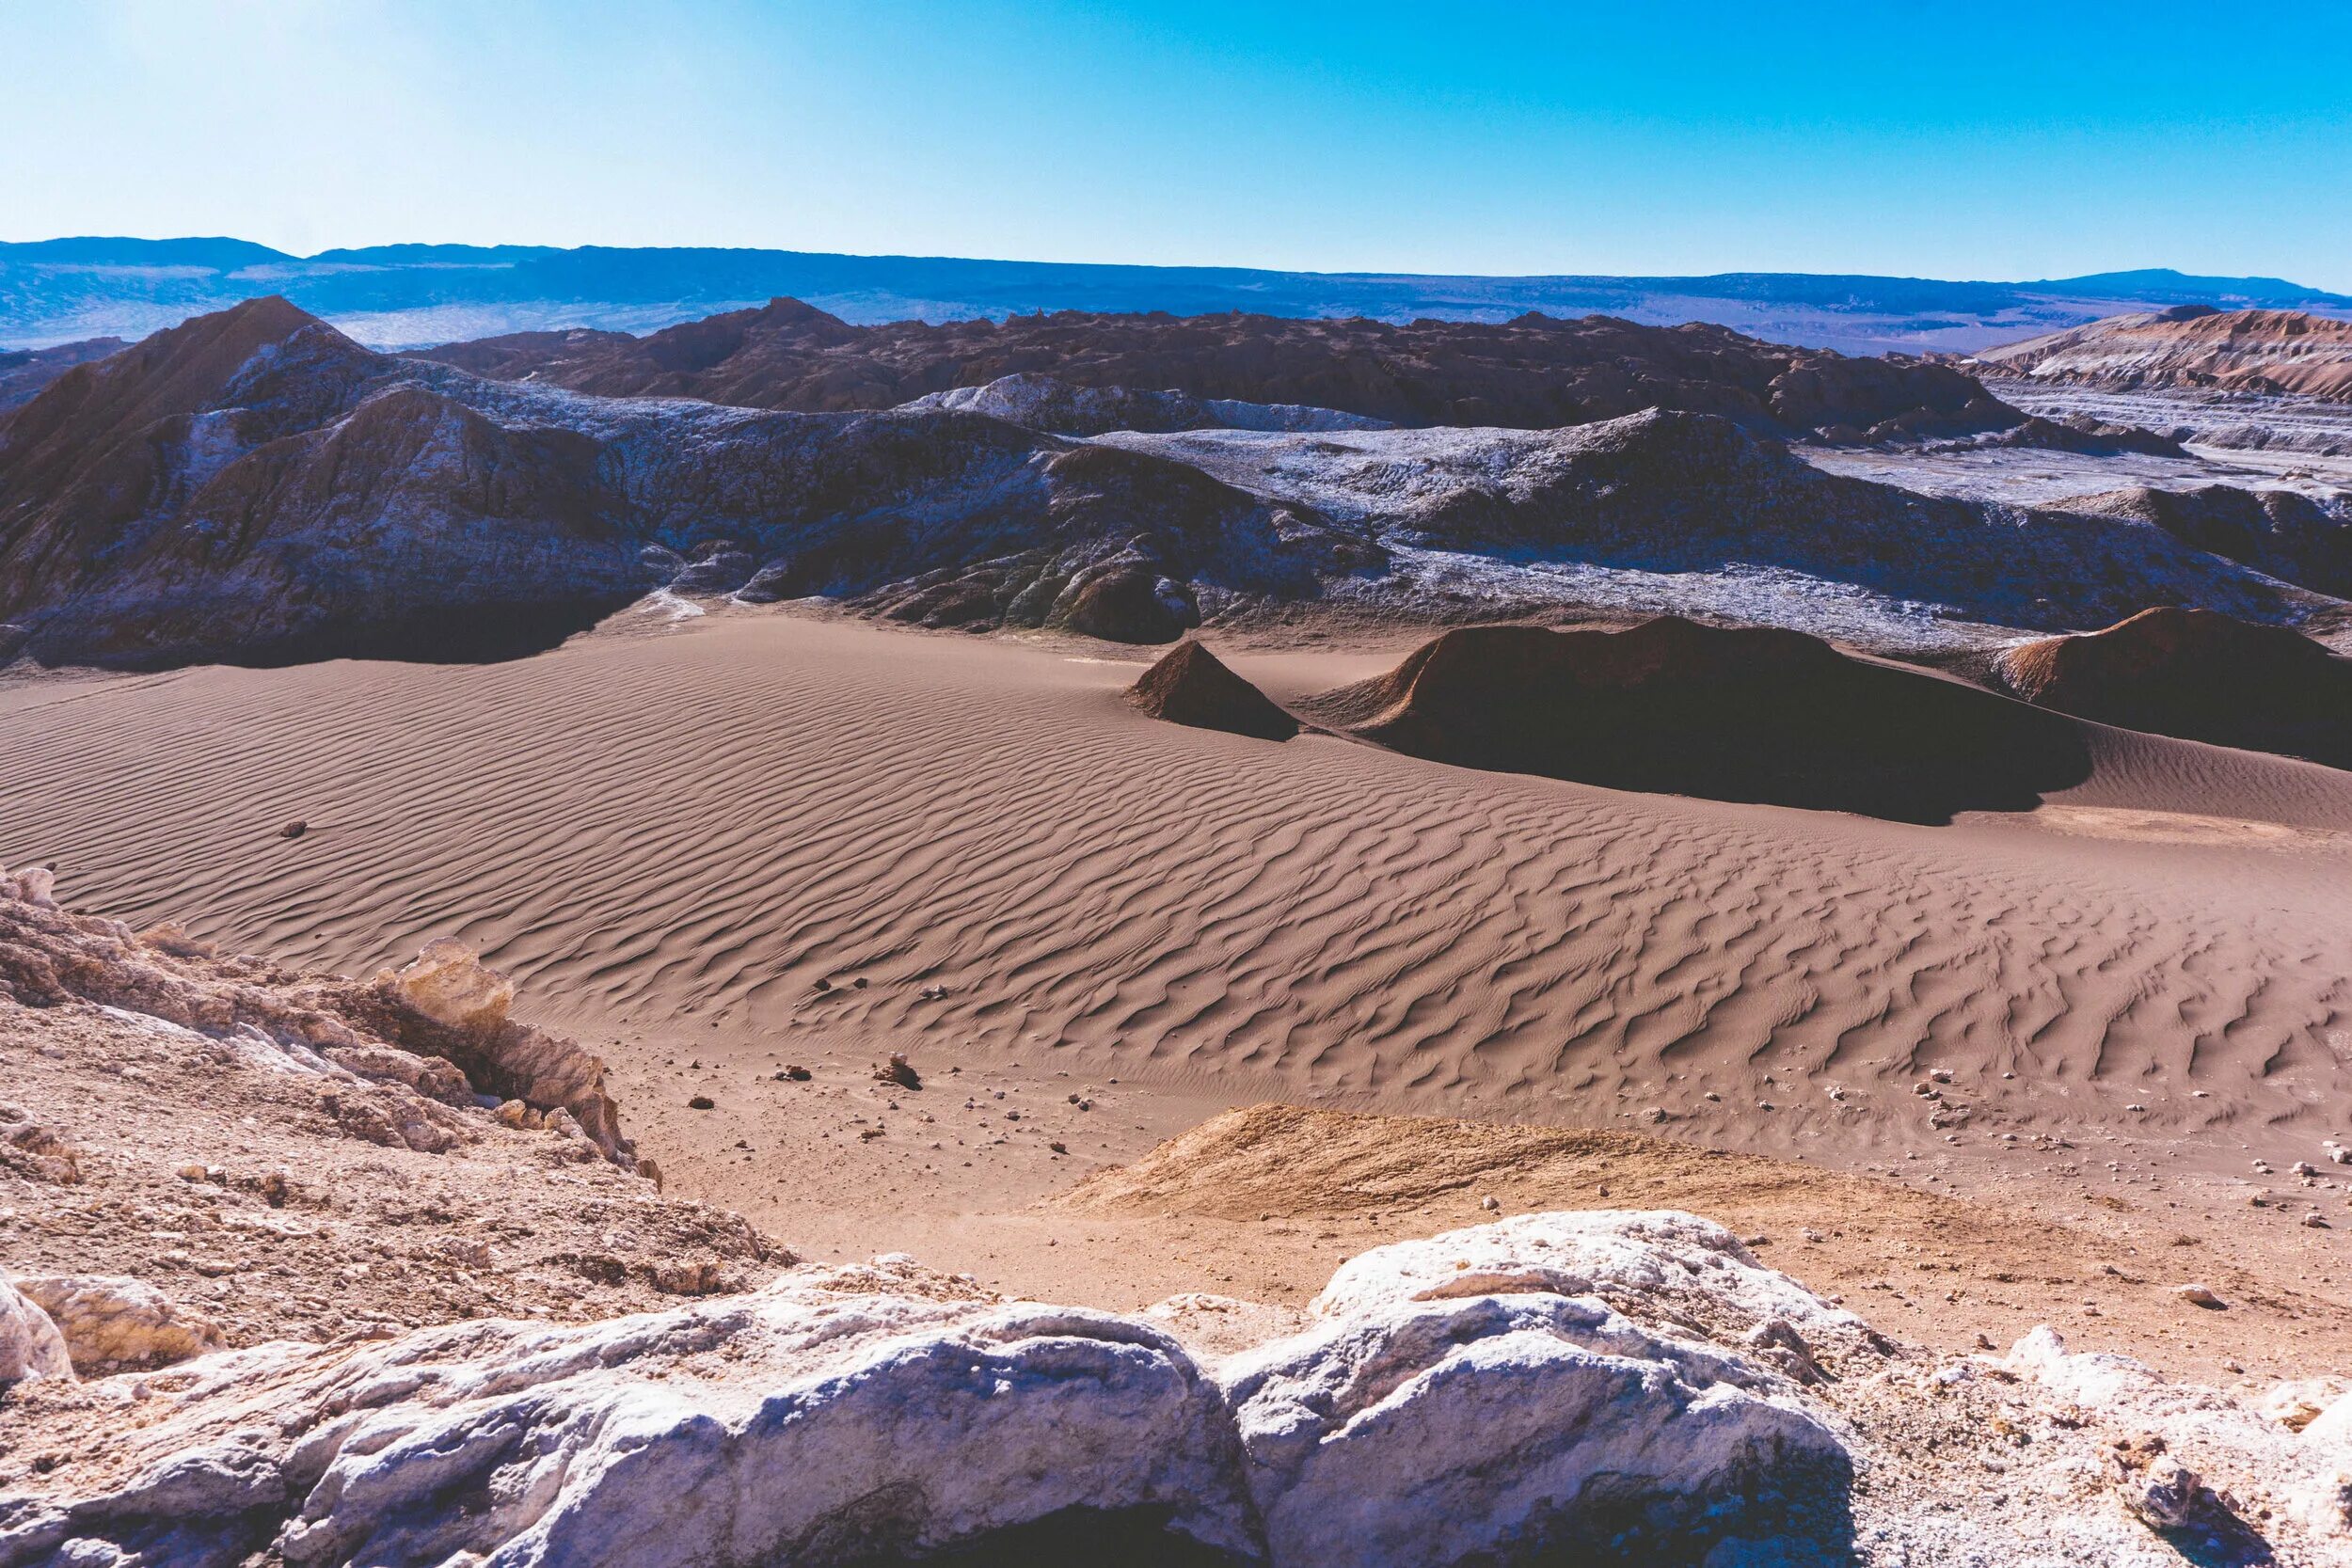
[1189, 684]
[2198, 674]
[692, 829]
[1732, 714]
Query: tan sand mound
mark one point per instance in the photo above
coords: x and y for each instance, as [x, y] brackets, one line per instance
[1191, 685]
[1932, 1268]
[2198, 674]
[1671, 706]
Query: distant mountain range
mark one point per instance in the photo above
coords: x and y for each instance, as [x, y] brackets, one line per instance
[413, 295]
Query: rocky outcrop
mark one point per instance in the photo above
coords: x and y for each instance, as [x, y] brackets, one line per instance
[883, 1412]
[1558, 513]
[113, 1322]
[398, 1059]
[1534, 371]
[1042, 403]
[2192, 346]
[1737, 714]
[2290, 535]
[1189, 684]
[2202, 677]
[449, 984]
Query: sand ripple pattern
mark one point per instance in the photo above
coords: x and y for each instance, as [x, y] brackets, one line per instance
[668, 830]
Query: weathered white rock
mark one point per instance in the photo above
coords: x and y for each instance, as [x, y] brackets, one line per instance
[112, 1321]
[2332, 1427]
[30, 1345]
[2093, 1378]
[2323, 1504]
[1489, 1428]
[2295, 1405]
[1668, 1260]
[840, 1414]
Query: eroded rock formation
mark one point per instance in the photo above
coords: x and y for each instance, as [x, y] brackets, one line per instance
[1533, 373]
[2192, 346]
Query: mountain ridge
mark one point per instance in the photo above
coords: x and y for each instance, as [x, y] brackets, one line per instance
[411, 296]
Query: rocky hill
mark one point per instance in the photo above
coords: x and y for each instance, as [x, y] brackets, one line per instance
[1534, 372]
[25, 371]
[2260, 351]
[254, 485]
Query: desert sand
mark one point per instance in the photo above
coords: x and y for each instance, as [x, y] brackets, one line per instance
[2041, 1051]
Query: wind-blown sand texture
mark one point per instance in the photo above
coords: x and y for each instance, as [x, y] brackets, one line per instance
[694, 827]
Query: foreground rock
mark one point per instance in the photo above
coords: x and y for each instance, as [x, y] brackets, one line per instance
[1608, 1387]
[837, 1416]
[848, 1413]
[1475, 1397]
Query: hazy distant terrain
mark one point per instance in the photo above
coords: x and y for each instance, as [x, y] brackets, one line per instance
[410, 296]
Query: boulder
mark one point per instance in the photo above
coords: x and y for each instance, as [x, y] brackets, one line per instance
[1511, 1428]
[110, 1322]
[1650, 1262]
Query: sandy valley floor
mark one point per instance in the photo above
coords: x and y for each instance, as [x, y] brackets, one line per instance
[718, 847]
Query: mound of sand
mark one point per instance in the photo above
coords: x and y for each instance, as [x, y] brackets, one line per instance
[2198, 674]
[1190, 686]
[1670, 707]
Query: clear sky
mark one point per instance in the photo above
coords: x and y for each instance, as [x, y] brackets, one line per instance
[1930, 138]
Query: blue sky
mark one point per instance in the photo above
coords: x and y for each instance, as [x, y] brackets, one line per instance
[1975, 140]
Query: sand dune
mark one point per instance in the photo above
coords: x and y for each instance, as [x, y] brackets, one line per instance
[2192, 673]
[1745, 713]
[687, 825]
[1190, 686]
